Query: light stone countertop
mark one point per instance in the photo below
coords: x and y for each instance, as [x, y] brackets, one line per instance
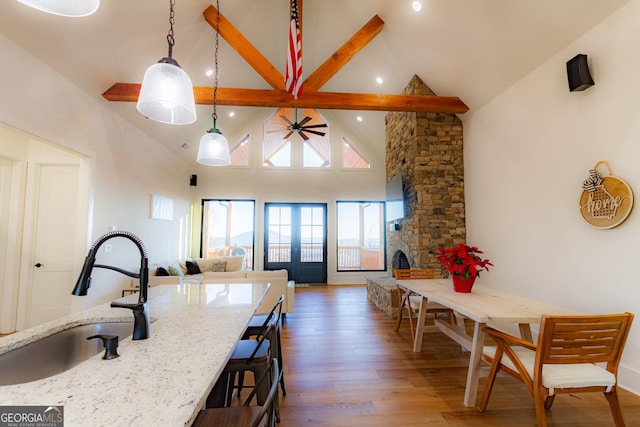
[160, 381]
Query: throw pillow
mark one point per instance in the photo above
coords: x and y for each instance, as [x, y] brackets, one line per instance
[183, 266]
[161, 271]
[218, 266]
[234, 263]
[192, 267]
[204, 264]
[173, 271]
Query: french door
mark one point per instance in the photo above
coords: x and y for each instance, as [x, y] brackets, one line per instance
[296, 240]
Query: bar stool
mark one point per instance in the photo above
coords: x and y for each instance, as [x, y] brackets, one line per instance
[253, 329]
[245, 415]
[249, 355]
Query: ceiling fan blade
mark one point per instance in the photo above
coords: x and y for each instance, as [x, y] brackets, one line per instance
[305, 120]
[315, 132]
[323, 125]
[275, 130]
[305, 137]
[286, 119]
[288, 135]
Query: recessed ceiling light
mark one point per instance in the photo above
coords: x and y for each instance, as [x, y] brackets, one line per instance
[359, 118]
[417, 6]
[209, 72]
[232, 113]
[379, 80]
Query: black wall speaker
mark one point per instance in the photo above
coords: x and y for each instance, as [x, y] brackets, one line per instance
[193, 181]
[578, 73]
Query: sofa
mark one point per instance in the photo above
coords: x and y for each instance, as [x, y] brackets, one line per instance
[226, 270]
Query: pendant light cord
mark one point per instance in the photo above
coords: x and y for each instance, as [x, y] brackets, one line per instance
[215, 79]
[170, 40]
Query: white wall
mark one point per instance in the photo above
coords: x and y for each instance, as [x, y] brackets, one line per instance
[526, 156]
[128, 165]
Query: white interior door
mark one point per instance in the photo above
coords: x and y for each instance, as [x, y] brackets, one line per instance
[51, 257]
[44, 216]
[6, 166]
[11, 203]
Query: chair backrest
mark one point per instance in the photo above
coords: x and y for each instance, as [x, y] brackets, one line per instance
[268, 405]
[582, 339]
[270, 322]
[413, 274]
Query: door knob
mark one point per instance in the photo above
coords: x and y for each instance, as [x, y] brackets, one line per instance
[38, 265]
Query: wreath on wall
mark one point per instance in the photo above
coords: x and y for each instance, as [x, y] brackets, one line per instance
[606, 201]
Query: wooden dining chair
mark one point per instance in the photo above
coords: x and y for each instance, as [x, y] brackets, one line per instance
[246, 415]
[563, 361]
[405, 298]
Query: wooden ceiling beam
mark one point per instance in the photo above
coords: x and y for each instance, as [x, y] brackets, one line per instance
[343, 55]
[310, 98]
[246, 50]
[128, 92]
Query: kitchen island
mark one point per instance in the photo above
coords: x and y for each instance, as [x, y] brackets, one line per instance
[160, 381]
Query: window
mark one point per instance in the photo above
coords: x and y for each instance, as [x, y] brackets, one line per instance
[228, 229]
[241, 151]
[311, 132]
[360, 236]
[351, 159]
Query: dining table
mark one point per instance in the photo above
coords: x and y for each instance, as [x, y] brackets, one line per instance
[483, 306]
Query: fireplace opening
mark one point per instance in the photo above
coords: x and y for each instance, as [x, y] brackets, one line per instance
[400, 261]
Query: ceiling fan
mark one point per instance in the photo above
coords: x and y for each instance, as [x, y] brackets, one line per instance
[300, 128]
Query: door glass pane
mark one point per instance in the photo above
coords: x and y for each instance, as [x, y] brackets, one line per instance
[227, 229]
[360, 236]
[311, 233]
[279, 248]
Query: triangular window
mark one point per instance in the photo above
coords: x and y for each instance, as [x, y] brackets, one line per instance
[351, 159]
[241, 151]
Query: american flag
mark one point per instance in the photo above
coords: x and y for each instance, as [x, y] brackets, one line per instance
[293, 77]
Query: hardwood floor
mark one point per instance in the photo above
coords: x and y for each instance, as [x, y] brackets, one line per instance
[344, 366]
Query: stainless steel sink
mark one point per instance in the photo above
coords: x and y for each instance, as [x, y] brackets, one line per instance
[57, 353]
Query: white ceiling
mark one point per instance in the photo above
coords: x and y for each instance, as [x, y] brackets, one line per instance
[473, 49]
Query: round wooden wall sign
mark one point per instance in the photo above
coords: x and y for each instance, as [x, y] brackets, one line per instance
[606, 201]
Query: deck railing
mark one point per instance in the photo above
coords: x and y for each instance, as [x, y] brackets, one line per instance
[349, 257]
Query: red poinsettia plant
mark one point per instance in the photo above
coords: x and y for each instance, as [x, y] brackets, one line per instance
[462, 260]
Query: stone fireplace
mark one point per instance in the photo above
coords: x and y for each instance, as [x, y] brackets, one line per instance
[427, 148]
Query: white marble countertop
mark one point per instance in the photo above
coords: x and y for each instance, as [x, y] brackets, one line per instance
[160, 381]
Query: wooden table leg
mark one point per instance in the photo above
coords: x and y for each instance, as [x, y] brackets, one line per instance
[525, 332]
[422, 313]
[473, 375]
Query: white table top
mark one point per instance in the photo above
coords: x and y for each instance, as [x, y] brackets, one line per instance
[160, 381]
[484, 304]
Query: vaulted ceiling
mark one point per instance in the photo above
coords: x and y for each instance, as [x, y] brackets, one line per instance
[470, 49]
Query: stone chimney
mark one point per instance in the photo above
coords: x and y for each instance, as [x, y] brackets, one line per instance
[427, 149]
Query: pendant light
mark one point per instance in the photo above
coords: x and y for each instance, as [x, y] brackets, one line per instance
[166, 94]
[214, 148]
[77, 8]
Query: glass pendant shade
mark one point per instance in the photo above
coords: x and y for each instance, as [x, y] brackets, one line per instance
[166, 94]
[73, 8]
[214, 149]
